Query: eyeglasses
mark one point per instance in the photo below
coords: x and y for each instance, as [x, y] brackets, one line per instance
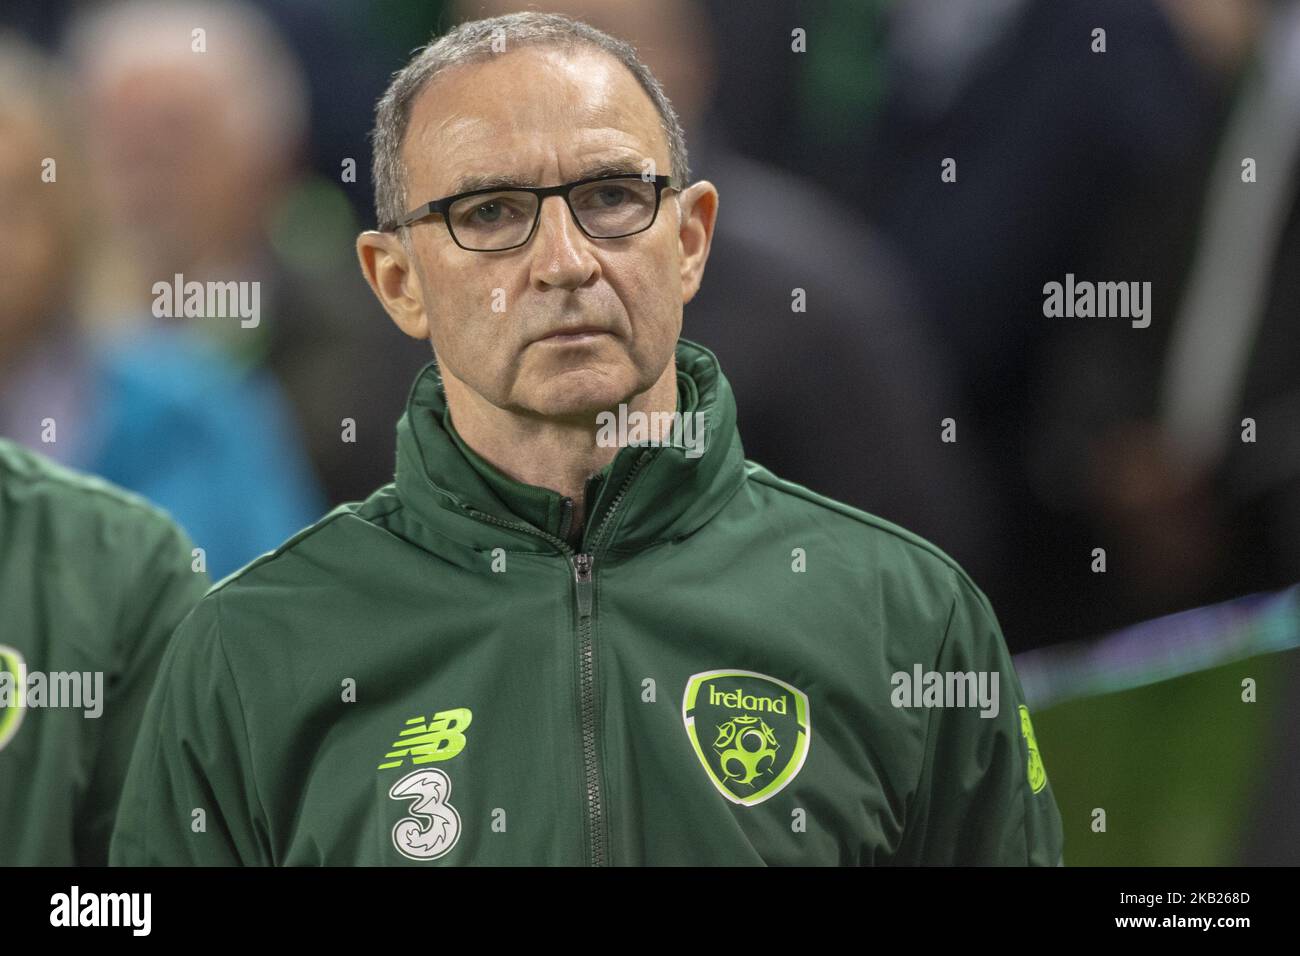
[495, 219]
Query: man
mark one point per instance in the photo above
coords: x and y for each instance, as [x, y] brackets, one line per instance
[93, 580]
[535, 646]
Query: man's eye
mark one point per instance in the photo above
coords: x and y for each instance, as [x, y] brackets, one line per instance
[489, 213]
[607, 197]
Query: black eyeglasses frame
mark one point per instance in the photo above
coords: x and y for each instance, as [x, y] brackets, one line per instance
[440, 207]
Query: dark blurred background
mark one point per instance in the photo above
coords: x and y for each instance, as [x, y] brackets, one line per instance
[1169, 158]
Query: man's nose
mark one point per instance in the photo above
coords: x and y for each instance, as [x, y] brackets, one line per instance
[560, 253]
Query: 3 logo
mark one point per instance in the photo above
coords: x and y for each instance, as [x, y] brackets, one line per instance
[433, 827]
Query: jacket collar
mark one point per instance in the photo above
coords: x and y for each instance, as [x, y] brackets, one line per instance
[667, 492]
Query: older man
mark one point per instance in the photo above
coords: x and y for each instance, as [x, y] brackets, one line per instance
[571, 632]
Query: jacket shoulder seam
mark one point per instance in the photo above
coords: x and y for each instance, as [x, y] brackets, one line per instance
[779, 484]
[342, 511]
[59, 477]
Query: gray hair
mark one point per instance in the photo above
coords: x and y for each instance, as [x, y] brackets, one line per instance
[479, 40]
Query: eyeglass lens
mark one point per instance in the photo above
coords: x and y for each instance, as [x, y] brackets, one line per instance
[606, 210]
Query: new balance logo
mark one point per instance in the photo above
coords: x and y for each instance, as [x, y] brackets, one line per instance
[441, 738]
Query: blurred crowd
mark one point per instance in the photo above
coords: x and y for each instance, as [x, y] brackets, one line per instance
[127, 159]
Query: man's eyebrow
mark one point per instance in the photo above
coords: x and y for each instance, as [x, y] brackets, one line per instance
[607, 167]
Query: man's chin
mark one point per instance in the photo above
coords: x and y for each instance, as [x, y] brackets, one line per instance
[582, 392]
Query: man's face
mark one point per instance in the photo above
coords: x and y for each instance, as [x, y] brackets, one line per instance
[181, 174]
[493, 318]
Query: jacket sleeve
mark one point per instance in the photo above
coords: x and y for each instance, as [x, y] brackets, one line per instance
[983, 797]
[154, 594]
[190, 797]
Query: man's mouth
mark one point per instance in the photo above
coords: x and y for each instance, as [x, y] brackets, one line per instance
[573, 336]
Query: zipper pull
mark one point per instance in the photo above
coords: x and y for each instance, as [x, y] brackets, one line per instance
[582, 577]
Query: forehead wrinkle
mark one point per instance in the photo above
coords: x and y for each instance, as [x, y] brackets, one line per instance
[453, 129]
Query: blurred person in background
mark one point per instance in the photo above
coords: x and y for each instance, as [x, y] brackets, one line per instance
[92, 582]
[1067, 161]
[198, 139]
[873, 385]
[1070, 161]
[1140, 438]
[153, 409]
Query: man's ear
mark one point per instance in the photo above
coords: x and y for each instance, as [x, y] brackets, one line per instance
[389, 269]
[699, 206]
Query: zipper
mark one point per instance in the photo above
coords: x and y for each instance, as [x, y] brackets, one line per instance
[582, 579]
[584, 563]
[582, 568]
[566, 517]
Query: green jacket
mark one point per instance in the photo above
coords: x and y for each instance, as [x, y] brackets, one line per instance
[92, 582]
[435, 677]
